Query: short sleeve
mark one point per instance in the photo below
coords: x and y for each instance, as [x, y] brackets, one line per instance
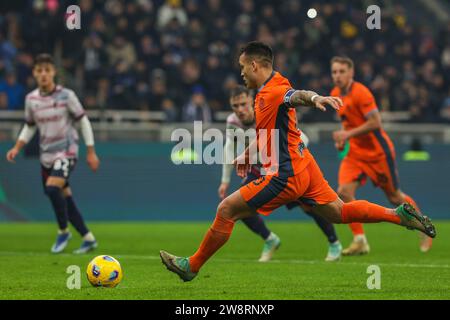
[74, 105]
[29, 117]
[366, 102]
[279, 95]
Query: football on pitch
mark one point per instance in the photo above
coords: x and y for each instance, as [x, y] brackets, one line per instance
[104, 271]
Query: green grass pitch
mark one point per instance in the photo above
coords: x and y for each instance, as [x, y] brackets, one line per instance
[29, 271]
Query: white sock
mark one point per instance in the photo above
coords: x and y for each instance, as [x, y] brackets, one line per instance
[270, 237]
[89, 237]
[360, 238]
[63, 231]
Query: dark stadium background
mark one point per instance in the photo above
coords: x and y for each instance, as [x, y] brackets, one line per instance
[136, 70]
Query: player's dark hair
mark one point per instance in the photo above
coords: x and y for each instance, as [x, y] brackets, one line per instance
[258, 50]
[343, 60]
[238, 90]
[44, 58]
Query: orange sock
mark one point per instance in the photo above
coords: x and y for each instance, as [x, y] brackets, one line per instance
[217, 235]
[411, 201]
[357, 228]
[364, 211]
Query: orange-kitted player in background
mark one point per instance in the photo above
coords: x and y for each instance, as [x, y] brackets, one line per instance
[372, 152]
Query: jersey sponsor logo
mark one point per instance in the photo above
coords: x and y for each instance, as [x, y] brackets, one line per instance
[259, 181]
[261, 103]
[54, 105]
[49, 119]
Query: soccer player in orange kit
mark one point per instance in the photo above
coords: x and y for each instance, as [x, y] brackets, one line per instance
[289, 171]
[371, 152]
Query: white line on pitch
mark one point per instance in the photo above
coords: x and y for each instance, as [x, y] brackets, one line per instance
[290, 261]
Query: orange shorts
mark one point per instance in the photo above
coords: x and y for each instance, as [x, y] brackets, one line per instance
[383, 173]
[271, 192]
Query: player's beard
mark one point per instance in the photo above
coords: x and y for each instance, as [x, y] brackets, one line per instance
[248, 122]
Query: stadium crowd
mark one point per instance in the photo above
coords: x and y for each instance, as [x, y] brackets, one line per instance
[179, 56]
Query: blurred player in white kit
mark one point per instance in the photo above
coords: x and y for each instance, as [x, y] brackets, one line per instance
[54, 110]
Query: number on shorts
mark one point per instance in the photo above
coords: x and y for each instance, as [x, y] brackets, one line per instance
[62, 164]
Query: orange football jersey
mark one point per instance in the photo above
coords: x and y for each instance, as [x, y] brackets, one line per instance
[358, 104]
[275, 117]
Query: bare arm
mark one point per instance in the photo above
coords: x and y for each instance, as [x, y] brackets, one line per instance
[303, 98]
[306, 98]
[88, 136]
[373, 123]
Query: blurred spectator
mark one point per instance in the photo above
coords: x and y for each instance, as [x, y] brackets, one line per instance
[14, 91]
[7, 52]
[121, 50]
[158, 89]
[93, 56]
[170, 10]
[170, 111]
[3, 101]
[110, 62]
[197, 108]
[445, 110]
[122, 86]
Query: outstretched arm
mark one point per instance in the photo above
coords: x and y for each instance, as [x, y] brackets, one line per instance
[306, 98]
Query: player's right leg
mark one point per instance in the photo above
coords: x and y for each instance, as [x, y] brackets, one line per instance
[53, 187]
[257, 224]
[231, 209]
[351, 176]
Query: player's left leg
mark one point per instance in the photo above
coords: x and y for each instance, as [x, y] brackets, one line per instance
[53, 186]
[76, 219]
